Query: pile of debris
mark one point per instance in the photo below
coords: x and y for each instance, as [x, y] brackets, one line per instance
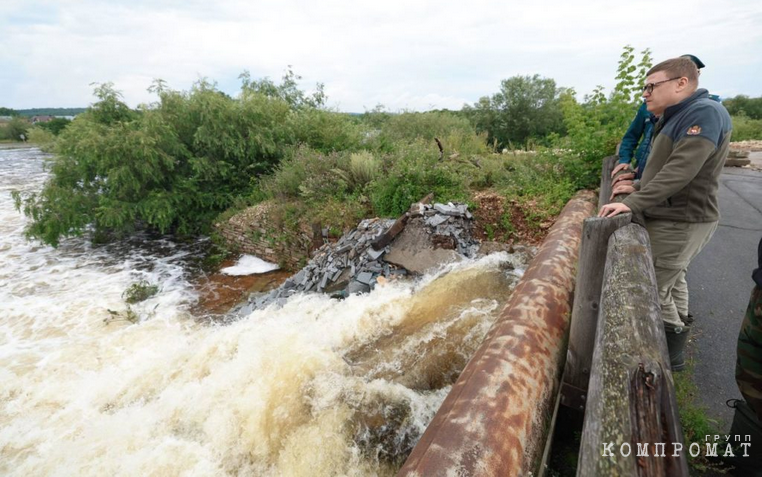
[425, 237]
[737, 158]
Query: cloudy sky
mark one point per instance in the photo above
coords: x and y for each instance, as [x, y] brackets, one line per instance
[405, 54]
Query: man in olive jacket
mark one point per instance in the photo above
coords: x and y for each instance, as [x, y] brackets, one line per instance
[678, 191]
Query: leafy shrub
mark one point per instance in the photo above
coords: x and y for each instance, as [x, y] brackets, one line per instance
[308, 174]
[326, 131]
[409, 126]
[596, 126]
[363, 168]
[14, 129]
[543, 178]
[744, 105]
[411, 173]
[176, 164]
[55, 125]
[42, 138]
[745, 129]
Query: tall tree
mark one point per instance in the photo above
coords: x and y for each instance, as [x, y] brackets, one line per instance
[525, 107]
[741, 104]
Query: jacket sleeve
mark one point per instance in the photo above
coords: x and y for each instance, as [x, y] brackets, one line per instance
[685, 162]
[632, 136]
[689, 154]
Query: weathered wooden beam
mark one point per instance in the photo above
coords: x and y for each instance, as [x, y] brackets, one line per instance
[587, 294]
[495, 420]
[587, 298]
[631, 396]
[385, 238]
[398, 226]
[605, 190]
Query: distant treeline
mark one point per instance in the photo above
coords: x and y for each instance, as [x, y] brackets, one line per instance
[42, 112]
[51, 111]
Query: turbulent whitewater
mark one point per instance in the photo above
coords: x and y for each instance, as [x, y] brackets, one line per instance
[316, 387]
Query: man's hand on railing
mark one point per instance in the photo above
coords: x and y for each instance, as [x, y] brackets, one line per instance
[624, 187]
[610, 210]
[620, 167]
[630, 176]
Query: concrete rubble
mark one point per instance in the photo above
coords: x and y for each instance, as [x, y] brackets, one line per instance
[433, 235]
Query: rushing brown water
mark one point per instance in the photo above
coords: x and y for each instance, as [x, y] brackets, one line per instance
[317, 387]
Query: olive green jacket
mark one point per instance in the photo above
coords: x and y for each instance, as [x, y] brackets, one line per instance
[682, 172]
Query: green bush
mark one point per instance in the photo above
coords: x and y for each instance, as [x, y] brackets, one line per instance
[309, 175]
[596, 126]
[412, 172]
[744, 105]
[745, 129]
[409, 126]
[326, 131]
[544, 178]
[42, 138]
[178, 163]
[55, 125]
[363, 168]
[15, 129]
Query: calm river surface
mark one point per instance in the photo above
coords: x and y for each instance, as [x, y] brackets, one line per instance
[318, 387]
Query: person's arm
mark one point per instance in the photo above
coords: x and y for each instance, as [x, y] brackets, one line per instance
[632, 136]
[684, 163]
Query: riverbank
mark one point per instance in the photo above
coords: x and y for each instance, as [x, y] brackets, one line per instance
[16, 145]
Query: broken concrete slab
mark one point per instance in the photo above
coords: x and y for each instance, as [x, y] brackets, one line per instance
[448, 209]
[374, 254]
[355, 287]
[414, 250]
[435, 220]
[364, 277]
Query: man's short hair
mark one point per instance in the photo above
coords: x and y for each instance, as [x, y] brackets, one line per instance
[677, 68]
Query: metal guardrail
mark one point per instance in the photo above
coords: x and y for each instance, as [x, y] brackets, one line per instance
[496, 419]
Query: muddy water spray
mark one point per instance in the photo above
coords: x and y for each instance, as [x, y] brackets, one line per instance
[317, 387]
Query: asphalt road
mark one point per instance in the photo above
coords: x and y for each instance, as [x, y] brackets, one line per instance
[719, 281]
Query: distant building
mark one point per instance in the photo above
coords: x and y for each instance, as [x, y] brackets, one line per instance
[41, 119]
[5, 119]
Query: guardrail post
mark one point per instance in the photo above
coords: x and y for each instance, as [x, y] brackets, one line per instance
[605, 190]
[631, 398]
[587, 298]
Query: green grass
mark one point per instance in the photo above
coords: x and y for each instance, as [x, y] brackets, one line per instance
[694, 418]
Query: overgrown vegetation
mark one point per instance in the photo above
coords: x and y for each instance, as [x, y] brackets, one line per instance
[597, 124]
[526, 107]
[693, 418]
[14, 130]
[743, 105]
[746, 128]
[179, 163]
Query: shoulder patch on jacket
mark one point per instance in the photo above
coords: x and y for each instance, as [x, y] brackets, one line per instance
[694, 130]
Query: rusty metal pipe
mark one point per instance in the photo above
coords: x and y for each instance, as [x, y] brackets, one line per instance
[494, 420]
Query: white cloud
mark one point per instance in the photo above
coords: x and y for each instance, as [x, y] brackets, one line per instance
[403, 54]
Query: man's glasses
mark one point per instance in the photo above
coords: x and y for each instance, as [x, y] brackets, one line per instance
[649, 87]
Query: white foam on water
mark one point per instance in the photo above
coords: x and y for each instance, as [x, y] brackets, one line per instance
[249, 265]
[306, 389]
